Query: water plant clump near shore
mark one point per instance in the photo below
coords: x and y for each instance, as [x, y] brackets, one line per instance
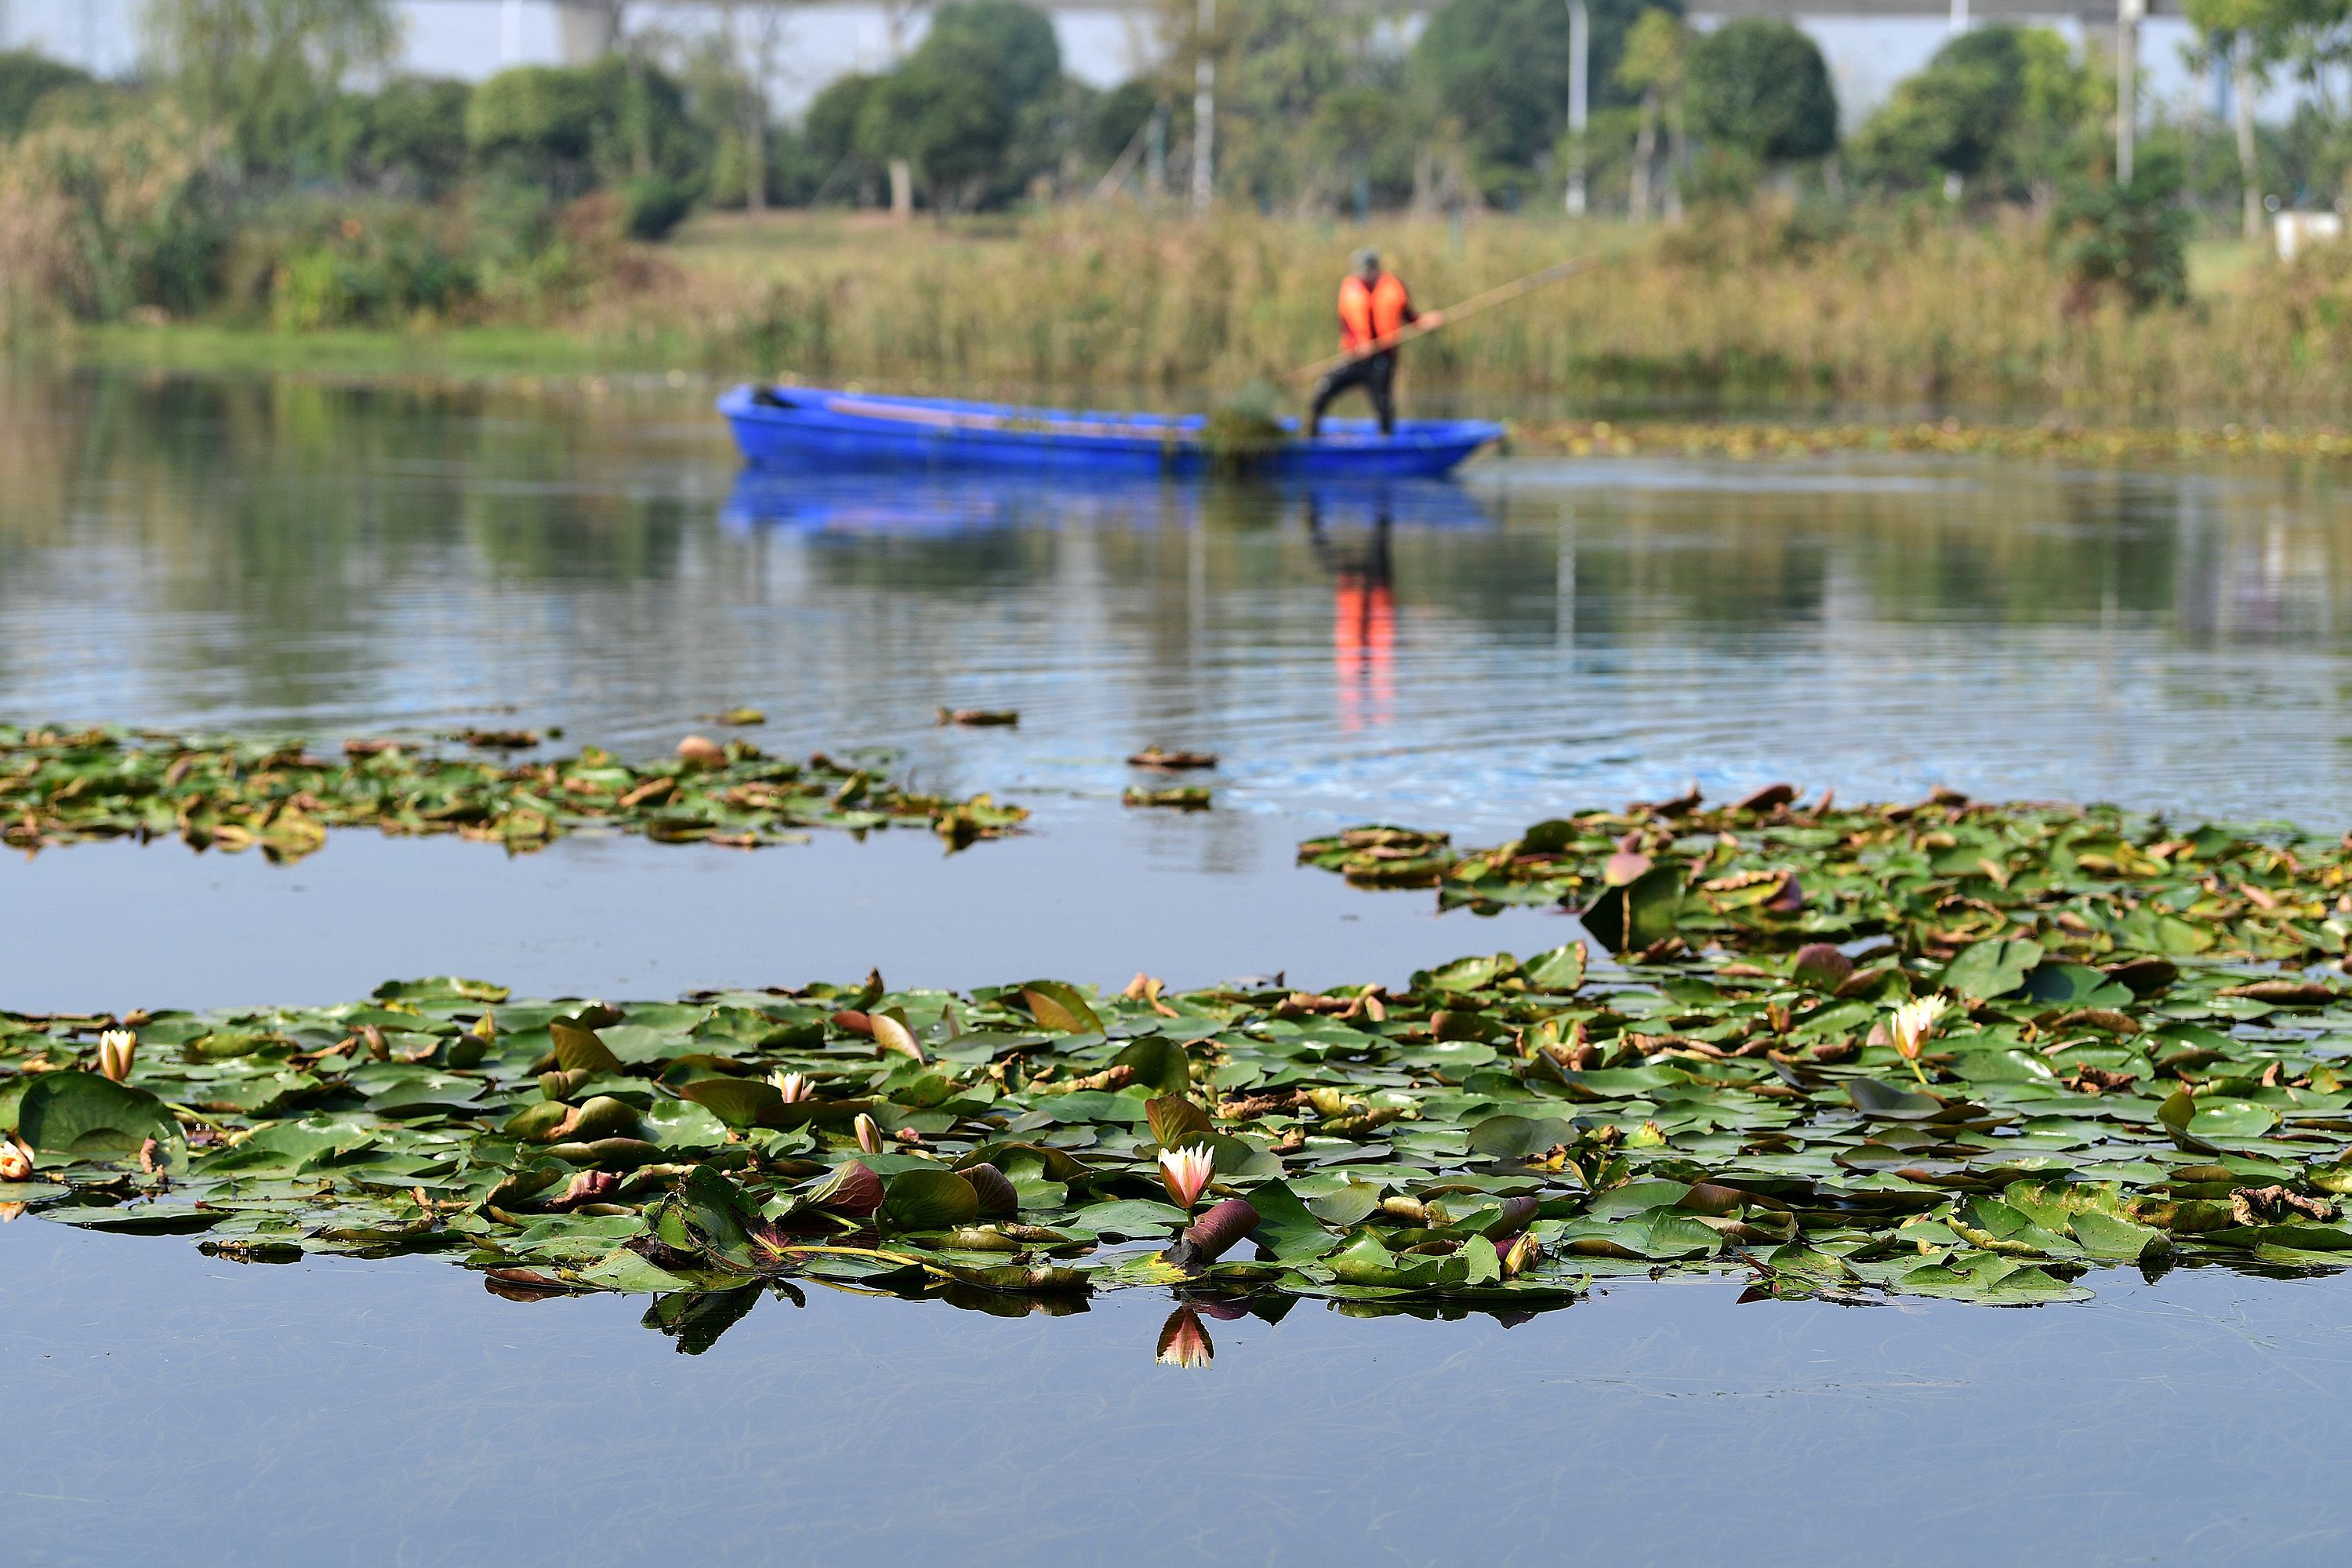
[59, 786]
[2085, 885]
[1496, 1133]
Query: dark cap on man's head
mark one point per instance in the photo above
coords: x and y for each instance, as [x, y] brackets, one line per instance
[1367, 260]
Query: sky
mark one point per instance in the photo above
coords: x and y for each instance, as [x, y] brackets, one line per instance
[473, 38]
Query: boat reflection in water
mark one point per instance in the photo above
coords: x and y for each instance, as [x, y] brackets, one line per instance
[835, 500]
[1349, 526]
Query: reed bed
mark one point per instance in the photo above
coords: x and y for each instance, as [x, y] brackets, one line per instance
[1747, 304]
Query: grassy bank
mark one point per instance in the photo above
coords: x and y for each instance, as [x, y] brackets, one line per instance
[2048, 441]
[1751, 307]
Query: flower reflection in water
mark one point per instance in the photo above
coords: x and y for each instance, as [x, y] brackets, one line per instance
[1183, 1341]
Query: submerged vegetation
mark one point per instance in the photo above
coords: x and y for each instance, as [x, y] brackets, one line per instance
[2045, 1041]
[60, 786]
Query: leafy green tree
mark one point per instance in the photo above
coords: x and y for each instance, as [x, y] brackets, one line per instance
[952, 125]
[1656, 56]
[976, 110]
[408, 135]
[25, 78]
[1012, 41]
[1760, 88]
[2256, 35]
[268, 72]
[1115, 119]
[830, 123]
[569, 128]
[1500, 69]
[2013, 109]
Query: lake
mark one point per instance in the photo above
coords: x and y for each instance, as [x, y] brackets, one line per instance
[334, 559]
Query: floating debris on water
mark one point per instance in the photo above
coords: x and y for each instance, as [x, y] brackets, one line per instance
[1171, 761]
[979, 718]
[1181, 798]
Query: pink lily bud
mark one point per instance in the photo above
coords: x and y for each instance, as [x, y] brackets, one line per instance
[1185, 1173]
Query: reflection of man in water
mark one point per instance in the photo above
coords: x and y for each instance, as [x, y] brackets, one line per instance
[1364, 620]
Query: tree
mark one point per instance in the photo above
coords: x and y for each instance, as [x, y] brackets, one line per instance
[2256, 33]
[1013, 41]
[751, 90]
[267, 72]
[952, 125]
[1656, 53]
[1760, 88]
[2010, 108]
[25, 78]
[831, 124]
[1500, 68]
[569, 128]
[1115, 119]
[410, 133]
[969, 109]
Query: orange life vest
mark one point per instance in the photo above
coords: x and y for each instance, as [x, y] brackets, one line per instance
[1366, 314]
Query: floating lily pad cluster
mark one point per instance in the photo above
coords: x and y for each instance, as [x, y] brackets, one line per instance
[1931, 876]
[59, 786]
[1495, 1135]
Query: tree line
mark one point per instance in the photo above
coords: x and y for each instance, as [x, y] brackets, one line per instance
[270, 156]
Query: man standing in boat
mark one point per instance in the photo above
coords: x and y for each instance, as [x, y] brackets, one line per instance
[1373, 306]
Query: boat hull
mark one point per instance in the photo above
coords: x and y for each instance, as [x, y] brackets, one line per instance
[802, 425]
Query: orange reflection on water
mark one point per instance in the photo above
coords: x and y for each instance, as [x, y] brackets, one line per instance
[1363, 648]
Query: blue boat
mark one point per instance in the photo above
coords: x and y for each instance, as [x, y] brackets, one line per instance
[808, 425]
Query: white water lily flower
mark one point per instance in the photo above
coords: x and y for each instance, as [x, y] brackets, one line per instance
[1913, 1023]
[1186, 1171]
[116, 1049]
[869, 1133]
[794, 1087]
[16, 1160]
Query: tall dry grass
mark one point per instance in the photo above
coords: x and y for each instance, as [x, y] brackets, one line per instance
[1754, 303]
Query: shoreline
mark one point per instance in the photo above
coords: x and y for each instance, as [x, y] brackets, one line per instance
[547, 359]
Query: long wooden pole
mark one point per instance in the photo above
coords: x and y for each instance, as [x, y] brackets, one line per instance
[1431, 320]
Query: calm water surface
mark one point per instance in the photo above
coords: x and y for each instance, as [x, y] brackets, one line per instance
[334, 560]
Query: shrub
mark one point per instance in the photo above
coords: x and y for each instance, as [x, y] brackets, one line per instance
[2130, 238]
[652, 206]
[95, 219]
[308, 264]
[410, 136]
